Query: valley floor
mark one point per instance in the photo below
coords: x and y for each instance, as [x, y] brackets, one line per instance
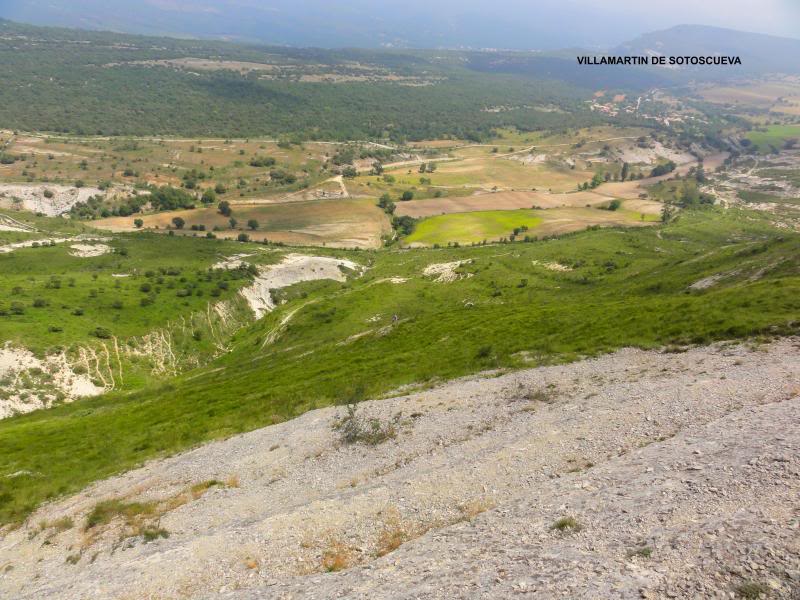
[634, 475]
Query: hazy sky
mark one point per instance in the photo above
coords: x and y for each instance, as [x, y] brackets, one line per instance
[778, 17]
[528, 24]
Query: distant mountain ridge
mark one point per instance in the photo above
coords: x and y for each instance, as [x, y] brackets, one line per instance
[454, 24]
[760, 53]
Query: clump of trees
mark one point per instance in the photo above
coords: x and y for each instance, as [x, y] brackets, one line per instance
[664, 169]
[169, 198]
[386, 204]
[262, 161]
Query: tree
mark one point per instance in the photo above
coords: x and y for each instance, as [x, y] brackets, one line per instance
[386, 204]
[407, 195]
[219, 188]
[169, 198]
[614, 205]
[178, 222]
[209, 197]
[431, 167]
[232, 222]
[224, 208]
[422, 167]
[404, 225]
[243, 237]
[626, 169]
[252, 224]
[138, 223]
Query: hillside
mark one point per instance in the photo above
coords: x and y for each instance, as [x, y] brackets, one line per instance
[447, 322]
[638, 474]
[416, 318]
[760, 53]
[89, 83]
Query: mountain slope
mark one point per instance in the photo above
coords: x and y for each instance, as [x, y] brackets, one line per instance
[678, 469]
[759, 53]
[499, 308]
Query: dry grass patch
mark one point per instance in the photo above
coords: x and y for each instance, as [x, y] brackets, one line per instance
[471, 509]
[337, 556]
[59, 525]
[395, 533]
[141, 519]
[198, 489]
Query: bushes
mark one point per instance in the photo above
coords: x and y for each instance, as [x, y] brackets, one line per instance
[169, 198]
[262, 161]
[663, 169]
[101, 333]
[354, 429]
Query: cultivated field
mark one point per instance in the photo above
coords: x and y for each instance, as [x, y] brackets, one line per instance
[774, 137]
[474, 227]
[471, 227]
[515, 200]
[341, 223]
[775, 95]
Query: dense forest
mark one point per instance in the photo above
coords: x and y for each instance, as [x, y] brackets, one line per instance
[110, 84]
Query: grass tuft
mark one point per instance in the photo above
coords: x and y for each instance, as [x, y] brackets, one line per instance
[567, 525]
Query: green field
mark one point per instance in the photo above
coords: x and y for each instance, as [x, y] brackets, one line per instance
[623, 288]
[466, 228]
[774, 137]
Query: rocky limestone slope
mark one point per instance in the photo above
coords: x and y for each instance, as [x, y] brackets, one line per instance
[634, 475]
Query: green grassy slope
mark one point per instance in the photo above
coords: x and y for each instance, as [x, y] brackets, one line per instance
[626, 288]
[145, 282]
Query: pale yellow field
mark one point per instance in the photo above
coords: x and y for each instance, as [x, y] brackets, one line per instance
[344, 223]
[500, 201]
[782, 96]
[502, 173]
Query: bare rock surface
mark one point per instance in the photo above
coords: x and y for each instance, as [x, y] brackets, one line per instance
[633, 475]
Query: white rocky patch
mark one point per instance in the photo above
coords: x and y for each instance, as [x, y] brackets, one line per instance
[232, 262]
[89, 250]
[32, 197]
[551, 266]
[30, 383]
[294, 268]
[445, 272]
